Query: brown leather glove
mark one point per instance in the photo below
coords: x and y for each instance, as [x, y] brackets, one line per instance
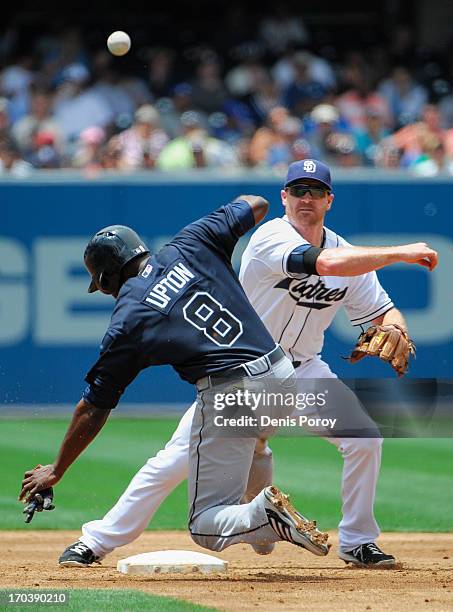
[388, 342]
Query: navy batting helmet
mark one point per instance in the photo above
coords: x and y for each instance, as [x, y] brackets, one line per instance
[108, 251]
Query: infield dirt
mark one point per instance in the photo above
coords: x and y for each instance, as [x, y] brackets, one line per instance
[289, 579]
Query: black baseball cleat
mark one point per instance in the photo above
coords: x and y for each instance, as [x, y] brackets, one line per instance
[78, 555]
[368, 555]
[291, 526]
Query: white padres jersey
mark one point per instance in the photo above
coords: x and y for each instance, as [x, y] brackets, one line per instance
[297, 309]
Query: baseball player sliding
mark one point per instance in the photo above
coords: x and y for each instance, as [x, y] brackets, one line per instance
[184, 306]
[297, 274]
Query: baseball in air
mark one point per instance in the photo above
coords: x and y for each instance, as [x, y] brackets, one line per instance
[119, 43]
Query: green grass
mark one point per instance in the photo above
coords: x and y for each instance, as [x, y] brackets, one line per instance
[103, 599]
[414, 492]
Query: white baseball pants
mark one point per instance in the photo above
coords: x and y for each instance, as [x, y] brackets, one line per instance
[361, 465]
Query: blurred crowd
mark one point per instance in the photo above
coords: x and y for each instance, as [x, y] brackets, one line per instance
[276, 100]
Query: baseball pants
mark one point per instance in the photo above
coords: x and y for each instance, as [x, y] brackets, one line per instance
[361, 465]
[135, 508]
[225, 472]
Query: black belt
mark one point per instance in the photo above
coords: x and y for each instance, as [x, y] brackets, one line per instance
[251, 368]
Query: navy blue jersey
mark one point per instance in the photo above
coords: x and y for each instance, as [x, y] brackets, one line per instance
[186, 309]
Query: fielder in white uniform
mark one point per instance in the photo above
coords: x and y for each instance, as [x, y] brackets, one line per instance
[297, 297]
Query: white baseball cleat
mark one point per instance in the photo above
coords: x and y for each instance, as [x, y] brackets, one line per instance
[292, 526]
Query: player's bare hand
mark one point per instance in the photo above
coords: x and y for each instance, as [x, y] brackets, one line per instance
[420, 253]
[41, 477]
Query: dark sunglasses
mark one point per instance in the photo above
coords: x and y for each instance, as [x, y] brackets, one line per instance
[298, 191]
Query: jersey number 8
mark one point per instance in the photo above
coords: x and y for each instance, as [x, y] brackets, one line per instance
[208, 315]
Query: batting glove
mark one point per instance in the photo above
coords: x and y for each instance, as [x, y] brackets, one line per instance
[41, 501]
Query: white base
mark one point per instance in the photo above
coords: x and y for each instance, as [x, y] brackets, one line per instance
[171, 562]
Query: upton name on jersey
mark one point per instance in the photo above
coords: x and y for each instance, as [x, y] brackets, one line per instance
[297, 309]
[174, 284]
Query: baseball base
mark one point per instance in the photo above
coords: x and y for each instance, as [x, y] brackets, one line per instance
[171, 562]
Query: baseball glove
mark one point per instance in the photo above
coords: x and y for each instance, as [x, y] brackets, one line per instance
[43, 500]
[388, 342]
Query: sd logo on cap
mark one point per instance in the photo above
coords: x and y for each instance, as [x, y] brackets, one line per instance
[308, 169]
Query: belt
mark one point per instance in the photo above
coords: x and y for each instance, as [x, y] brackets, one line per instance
[250, 368]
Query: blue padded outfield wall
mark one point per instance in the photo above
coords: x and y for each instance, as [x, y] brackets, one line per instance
[50, 328]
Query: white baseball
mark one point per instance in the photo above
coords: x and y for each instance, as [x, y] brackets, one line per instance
[119, 43]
